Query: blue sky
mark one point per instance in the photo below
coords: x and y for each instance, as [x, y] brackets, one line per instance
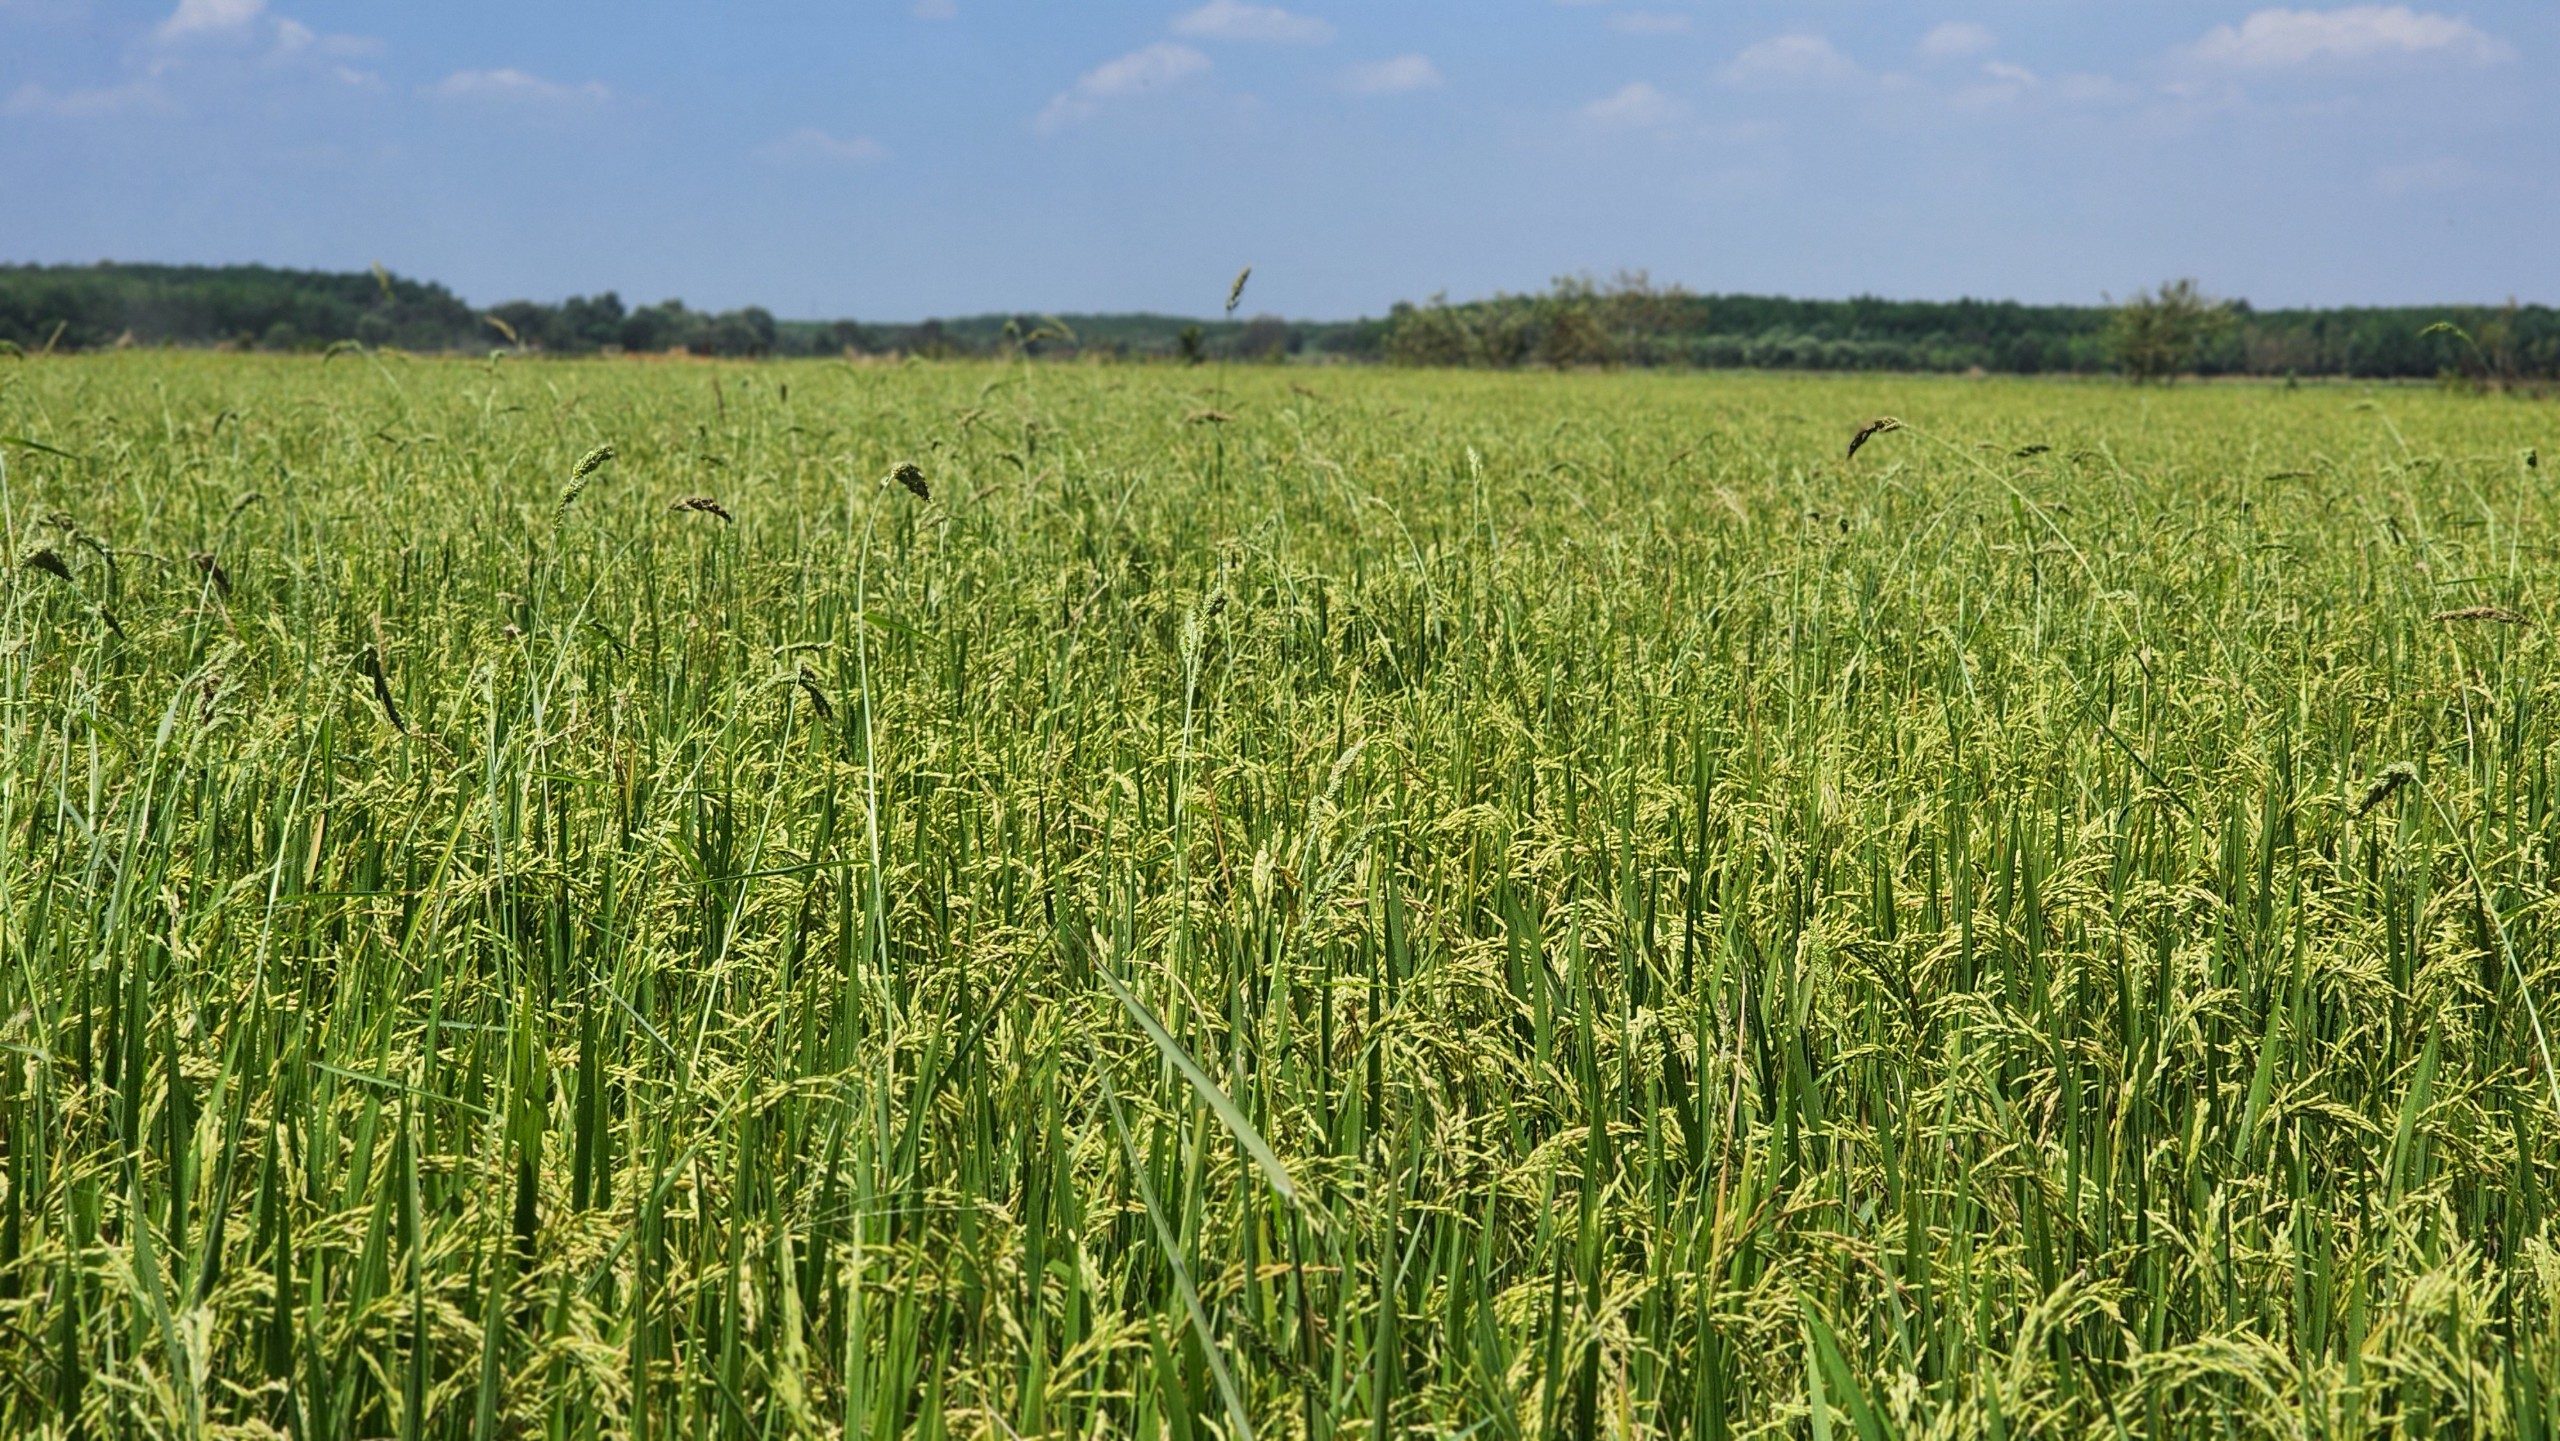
[891, 159]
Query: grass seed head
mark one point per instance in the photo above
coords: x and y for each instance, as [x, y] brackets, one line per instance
[212, 570]
[817, 697]
[45, 559]
[1870, 430]
[2385, 786]
[1235, 292]
[588, 465]
[1210, 417]
[2497, 613]
[912, 477]
[704, 504]
[369, 661]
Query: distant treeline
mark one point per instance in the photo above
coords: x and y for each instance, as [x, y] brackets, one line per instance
[1576, 322]
[255, 307]
[1631, 322]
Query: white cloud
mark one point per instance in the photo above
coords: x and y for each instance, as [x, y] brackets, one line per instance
[1790, 61]
[201, 45]
[811, 143]
[1636, 106]
[1135, 73]
[2283, 39]
[209, 17]
[1649, 22]
[1955, 40]
[2002, 83]
[1392, 77]
[515, 85]
[1235, 20]
[936, 10]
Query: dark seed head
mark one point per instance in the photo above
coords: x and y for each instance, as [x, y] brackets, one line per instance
[817, 697]
[1870, 430]
[2385, 786]
[908, 475]
[212, 570]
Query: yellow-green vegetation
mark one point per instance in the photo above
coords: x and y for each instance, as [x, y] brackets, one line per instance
[1436, 904]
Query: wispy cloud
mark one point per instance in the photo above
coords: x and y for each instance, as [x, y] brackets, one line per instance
[198, 24]
[1636, 106]
[2001, 83]
[1136, 73]
[2287, 39]
[293, 38]
[811, 143]
[205, 44]
[1235, 20]
[209, 17]
[1795, 61]
[1392, 77]
[515, 86]
[1955, 40]
[1649, 22]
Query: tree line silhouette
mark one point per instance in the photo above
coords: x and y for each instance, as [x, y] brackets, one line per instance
[1576, 322]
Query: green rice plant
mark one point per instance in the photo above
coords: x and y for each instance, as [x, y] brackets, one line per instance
[1504, 905]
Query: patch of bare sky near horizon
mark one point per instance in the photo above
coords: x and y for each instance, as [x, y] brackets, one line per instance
[1688, 78]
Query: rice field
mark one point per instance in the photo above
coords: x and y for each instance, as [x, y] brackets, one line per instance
[567, 899]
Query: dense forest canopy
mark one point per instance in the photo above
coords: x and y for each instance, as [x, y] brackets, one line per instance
[1576, 322]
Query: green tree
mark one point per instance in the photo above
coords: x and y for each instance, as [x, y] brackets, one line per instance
[2158, 334]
